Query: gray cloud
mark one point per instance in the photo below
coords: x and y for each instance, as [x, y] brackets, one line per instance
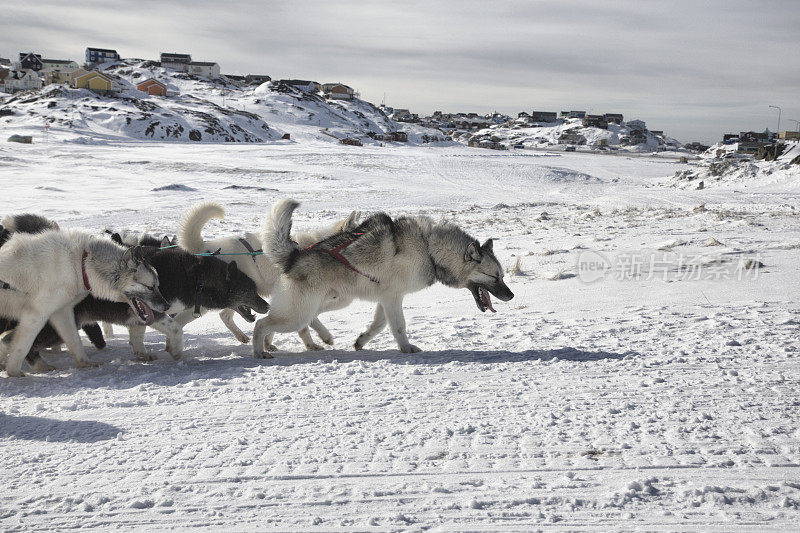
[694, 69]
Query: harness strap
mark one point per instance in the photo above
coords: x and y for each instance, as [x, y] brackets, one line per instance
[336, 254]
[252, 253]
[83, 271]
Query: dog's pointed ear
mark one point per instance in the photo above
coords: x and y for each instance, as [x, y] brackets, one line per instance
[487, 246]
[117, 238]
[127, 260]
[137, 255]
[232, 270]
[165, 243]
[473, 252]
[174, 241]
[351, 222]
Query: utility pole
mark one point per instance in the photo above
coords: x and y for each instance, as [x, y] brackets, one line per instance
[797, 123]
[779, 118]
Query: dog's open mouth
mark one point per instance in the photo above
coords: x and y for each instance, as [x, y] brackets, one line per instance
[142, 310]
[482, 298]
[247, 313]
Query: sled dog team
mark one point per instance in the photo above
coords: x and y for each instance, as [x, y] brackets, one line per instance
[53, 281]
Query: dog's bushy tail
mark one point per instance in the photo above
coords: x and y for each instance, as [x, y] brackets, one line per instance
[190, 237]
[275, 235]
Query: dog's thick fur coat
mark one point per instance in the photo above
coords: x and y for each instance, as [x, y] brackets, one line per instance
[47, 275]
[261, 269]
[384, 259]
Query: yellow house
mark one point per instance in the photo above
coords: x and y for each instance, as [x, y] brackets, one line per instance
[95, 81]
[74, 74]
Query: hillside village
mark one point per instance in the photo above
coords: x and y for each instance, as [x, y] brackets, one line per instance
[177, 97]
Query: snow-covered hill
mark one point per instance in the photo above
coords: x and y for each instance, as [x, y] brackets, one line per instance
[196, 109]
[521, 132]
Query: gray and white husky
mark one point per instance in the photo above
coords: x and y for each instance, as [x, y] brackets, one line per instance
[382, 260]
[257, 267]
[45, 275]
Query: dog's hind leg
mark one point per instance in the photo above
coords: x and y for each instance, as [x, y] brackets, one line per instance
[393, 309]
[226, 315]
[108, 329]
[136, 340]
[274, 322]
[63, 321]
[322, 331]
[37, 363]
[378, 323]
[305, 336]
[29, 326]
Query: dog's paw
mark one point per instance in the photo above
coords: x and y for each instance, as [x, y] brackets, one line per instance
[327, 339]
[145, 357]
[314, 347]
[271, 348]
[410, 349]
[85, 363]
[263, 355]
[241, 337]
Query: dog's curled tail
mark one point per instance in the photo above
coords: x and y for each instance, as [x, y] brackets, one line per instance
[275, 236]
[190, 237]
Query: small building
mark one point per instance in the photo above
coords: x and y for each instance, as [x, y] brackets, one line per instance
[152, 87]
[615, 118]
[751, 141]
[100, 55]
[730, 138]
[256, 79]
[637, 137]
[4, 72]
[571, 137]
[351, 141]
[208, 69]
[544, 116]
[21, 80]
[523, 114]
[63, 65]
[95, 81]
[235, 79]
[657, 133]
[338, 91]
[595, 121]
[789, 135]
[697, 146]
[30, 61]
[176, 61]
[5, 62]
[636, 124]
[307, 86]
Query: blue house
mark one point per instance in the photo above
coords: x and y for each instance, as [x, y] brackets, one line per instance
[101, 55]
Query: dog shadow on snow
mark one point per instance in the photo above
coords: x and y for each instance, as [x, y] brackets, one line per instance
[221, 361]
[52, 430]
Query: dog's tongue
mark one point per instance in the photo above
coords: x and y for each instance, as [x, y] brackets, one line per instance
[148, 313]
[487, 301]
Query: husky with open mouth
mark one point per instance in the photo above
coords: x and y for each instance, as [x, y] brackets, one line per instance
[43, 277]
[382, 260]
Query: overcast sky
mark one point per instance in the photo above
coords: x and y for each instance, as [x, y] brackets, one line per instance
[694, 69]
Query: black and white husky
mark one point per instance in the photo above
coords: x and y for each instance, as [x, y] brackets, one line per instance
[45, 275]
[258, 267]
[381, 260]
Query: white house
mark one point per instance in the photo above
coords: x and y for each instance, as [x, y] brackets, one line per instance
[209, 69]
[21, 80]
[61, 65]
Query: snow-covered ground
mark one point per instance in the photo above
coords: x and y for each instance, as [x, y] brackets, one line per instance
[643, 377]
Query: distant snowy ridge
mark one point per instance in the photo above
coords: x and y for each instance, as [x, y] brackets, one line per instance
[196, 109]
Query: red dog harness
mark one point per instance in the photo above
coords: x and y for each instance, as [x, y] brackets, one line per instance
[336, 254]
[83, 271]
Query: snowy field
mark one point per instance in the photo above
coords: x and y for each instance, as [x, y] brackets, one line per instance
[645, 377]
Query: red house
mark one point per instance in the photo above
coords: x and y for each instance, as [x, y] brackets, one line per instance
[152, 87]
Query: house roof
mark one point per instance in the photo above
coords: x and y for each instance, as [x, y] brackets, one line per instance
[94, 73]
[169, 56]
[58, 61]
[103, 50]
[151, 81]
[297, 82]
[203, 63]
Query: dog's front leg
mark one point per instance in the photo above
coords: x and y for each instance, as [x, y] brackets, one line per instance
[63, 321]
[136, 340]
[174, 333]
[226, 315]
[322, 331]
[305, 336]
[378, 323]
[393, 308]
[108, 329]
[30, 324]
